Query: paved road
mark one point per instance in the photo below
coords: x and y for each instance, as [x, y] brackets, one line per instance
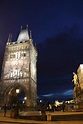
[59, 122]
[8, 120]
[8, 123]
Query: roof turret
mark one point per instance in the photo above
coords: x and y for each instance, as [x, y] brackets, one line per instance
[9, 39]
[23, 36]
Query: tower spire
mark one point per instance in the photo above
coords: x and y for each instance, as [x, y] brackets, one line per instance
[21, 28]
[27, 26]
[9, 38]
[30, 34]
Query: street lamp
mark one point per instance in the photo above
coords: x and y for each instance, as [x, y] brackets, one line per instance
[17, 90]
[25, 98]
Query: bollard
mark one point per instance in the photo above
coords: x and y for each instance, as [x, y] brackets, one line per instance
[48, 117]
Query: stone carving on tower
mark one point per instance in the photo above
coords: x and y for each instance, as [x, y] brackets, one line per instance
[78, 89]
[19, 70]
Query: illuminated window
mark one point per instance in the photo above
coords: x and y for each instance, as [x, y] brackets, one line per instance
[17, 55]
[16, 73]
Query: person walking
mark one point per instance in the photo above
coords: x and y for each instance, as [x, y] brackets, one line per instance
[5, 110]
[63, 106]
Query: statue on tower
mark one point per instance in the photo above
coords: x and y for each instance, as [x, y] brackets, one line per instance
[75, 78]
[77, 88]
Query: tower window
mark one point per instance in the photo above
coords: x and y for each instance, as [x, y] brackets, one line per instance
[24, 54]
[17, 55]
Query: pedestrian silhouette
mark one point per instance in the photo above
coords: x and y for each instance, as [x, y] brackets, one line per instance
[5, 110]
[63, 106]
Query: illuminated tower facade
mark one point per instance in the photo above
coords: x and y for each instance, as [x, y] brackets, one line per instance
[19, 70]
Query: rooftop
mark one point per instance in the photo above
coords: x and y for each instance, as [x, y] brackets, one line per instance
[23, 36]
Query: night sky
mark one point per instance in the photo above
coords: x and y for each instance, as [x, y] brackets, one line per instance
[57, 30]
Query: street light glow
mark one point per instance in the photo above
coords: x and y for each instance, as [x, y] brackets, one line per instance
[25, 98]
[17, 90]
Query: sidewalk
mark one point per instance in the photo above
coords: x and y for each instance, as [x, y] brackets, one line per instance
[23, 121]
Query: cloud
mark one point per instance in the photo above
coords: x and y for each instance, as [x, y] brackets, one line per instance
[60, 54]
[61, 95]
[68, 92]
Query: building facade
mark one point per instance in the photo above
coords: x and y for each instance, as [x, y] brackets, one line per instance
[19, 72]
[78, 89]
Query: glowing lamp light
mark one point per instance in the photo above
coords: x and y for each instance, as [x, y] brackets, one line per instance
[40, 100]
[25, 98]
[17, 90]
[56, 103]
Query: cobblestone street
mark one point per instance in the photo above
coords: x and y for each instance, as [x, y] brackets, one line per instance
[7, 119]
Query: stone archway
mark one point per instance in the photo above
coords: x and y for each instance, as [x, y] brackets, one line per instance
[12, 93]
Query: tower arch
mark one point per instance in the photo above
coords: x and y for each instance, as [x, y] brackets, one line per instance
[12, 92]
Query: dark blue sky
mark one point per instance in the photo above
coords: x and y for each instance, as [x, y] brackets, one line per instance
[57, 30]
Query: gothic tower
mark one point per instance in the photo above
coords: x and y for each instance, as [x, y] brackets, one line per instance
[19, 70]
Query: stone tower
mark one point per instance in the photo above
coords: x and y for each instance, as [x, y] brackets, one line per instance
[19, 70]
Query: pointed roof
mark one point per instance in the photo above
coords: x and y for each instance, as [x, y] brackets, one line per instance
[9, 38]
[23, 36]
